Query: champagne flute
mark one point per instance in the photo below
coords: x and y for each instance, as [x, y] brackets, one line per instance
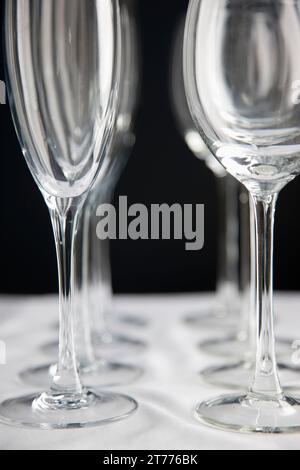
[240, 66]
[98, 282]
[102, 265]
[97, 370]
[63, 63]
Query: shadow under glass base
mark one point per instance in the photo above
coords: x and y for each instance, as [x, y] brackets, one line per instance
[212, 318]
[239, 375]
[237, 346]
[100, 374]
[246, 414]
[94, 409]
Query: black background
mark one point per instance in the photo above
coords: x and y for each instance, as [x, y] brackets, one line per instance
[161, 169]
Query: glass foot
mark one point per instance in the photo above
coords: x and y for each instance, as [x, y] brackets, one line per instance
[237, 347]
[240, 374]
[100, 374]
[247, 414]
[105, 345]
[93, 409]
[213, 319]
[127, 319]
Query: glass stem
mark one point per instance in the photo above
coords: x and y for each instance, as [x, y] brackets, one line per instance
[245, 270]
[228, 242]
[100, 272]
[85, 349]
[252, 300]
[64, 216]
[266, 382]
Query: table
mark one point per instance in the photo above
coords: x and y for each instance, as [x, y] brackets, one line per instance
[167, 393]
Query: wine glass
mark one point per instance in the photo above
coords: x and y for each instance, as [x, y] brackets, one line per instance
[231, 197]
[96, 368]
[63, 64]
[240, 348]
[240, 66]
[227, 305]
[238, 344]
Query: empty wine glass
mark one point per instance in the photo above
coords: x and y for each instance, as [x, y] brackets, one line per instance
[238, 345]
[240, 66]
[231, 197]
[63, 61]
[96, 368]
[227, 305]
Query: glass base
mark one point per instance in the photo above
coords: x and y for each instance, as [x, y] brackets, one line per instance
[104, 345]
[240, 375]
[125, 318]
[100, 374]
[41, 412]
[237, 347]
[247, 414]
[212, 318]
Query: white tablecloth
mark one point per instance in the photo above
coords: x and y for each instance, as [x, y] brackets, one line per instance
[167, 393]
